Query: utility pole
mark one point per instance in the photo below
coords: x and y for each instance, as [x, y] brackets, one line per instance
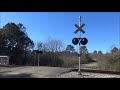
[38, 55]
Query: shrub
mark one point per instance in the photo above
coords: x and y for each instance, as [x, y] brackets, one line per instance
[110, 62]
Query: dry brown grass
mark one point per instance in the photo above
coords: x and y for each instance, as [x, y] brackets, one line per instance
[110, 62]
[71, 60]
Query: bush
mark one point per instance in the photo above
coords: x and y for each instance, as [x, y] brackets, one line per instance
[50, 59]
[110, 62]
[54, 59]
[71, 59]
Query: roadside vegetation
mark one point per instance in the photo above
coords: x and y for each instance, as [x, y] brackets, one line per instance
[110, 61]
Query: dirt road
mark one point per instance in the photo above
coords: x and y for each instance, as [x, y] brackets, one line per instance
[50, 72]
[32, 72]
[89, 65]
[38, 71]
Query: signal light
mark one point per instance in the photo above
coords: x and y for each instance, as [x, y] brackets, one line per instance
[75, 41]
[84, 41]
[39, 52]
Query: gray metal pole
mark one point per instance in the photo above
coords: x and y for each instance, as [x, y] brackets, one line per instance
[38, 59]
[79, 36]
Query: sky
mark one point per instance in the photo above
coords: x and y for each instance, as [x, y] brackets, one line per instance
[102, 29]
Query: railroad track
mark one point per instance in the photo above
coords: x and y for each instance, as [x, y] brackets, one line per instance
[98, 71]
[87, 68]
[87, 73]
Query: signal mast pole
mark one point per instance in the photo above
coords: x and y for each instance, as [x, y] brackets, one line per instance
[79, 36]
[79, 40]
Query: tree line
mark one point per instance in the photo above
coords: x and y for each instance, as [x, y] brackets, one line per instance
[15, 42]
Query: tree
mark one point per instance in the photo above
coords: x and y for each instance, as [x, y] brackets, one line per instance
[39, 46]
[2, 43]
[115, 49]
[53, 45]
[83, 50]
[70, 48]
[100, 52]
[95, 52]
[85, 56]
[51, 49]
[15, 39]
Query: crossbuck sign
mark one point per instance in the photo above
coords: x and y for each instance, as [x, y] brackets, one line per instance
[79, 28]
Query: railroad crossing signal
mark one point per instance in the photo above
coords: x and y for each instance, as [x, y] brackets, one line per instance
[79, 40]
[83, 41]
[79, 28]
[39, 52]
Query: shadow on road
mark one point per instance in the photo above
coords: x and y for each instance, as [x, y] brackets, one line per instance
[5, 71]
[21, 75]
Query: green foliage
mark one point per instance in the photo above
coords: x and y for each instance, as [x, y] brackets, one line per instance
[95, 52]
[70, 48]
[16, 37]
[83, 50]
[100, 52]
[14, 41]
[115, 49]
